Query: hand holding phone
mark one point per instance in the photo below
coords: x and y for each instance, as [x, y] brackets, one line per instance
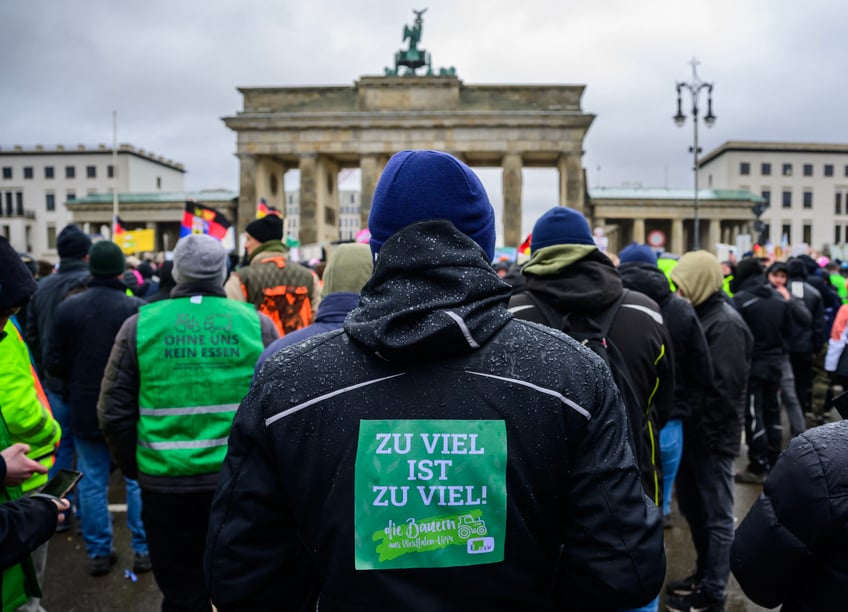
[60, 485]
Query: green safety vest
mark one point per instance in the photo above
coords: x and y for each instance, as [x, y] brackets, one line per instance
[838, 281]
[196, 357]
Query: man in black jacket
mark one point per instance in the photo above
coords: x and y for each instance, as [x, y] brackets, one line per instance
[693, 368]
[435, 453]
[769, 317]
[72, 246]
[569, 273]
[78, 347]
[712, 431]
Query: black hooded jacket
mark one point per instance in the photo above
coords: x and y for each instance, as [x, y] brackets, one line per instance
[432, 340]
[769, 317]
[590, 285]
[810, 338]
[715, 424]
[693, 368]
[790, 548]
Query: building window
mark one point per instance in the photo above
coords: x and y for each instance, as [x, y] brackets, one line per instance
[744, 168]
[765, 169]
[71, 195]
[49, 172]
[787, 169]
[807, 233]
[70, 172]
[837, 205]
[828, 169]
[159, 183]
[808, 170]
[808, 198]
[28, 172]
[51, 236]
[110, 171]
[766, 194]
[19, 203]
[837, 234]
[7, 172]
[846, 170]
[50, 201]
[786, 232]
[787, 198]
[91, 171]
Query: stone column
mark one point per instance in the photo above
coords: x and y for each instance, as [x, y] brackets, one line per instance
[639, 230]
[371, 169]
[308, 165]
[246, 211]
[677, 237]
[713, 235]
[511, 165]
[575, 190]
[571, 188]
[327, 209]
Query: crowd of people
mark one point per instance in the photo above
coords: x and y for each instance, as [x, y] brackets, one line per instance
[417, 428]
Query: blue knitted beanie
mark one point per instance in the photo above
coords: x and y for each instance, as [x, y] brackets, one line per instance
[421, 185]
[637, 253]
[560, 225]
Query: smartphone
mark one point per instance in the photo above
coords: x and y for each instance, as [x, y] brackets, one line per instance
[60, 485]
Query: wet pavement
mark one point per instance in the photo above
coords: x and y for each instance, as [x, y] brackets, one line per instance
[69, 588]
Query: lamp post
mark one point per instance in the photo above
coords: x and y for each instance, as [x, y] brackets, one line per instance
[694, 87]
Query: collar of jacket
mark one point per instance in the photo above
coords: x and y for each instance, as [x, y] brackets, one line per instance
[585, 284]
[71, 264]
[646, 278]
[190, 289]
[334, 307]
[272, 246]
[554, 259]
[433, 295]
[756, 284]
[109, 283]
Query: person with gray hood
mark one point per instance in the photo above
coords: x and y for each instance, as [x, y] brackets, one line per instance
[172, 384]
[712, 431]
[435, 453]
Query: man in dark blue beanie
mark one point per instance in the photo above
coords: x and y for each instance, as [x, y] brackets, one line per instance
[334, 447]
[569, 280]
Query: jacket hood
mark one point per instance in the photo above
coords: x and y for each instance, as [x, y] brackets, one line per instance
[756, 284]
[582, 284]
[433, 295]
[646, 278]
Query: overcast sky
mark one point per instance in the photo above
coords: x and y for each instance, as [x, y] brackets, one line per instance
[171, 68]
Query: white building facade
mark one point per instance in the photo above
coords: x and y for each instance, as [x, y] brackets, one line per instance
[349, 220]
[805, 185]
[36, 184]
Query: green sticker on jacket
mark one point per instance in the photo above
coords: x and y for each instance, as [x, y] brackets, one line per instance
[430, 493]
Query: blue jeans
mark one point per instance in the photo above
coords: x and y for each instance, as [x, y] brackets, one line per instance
[671, 449]
[94, 462]
[65, 453]
[705, 498]
[651, 607]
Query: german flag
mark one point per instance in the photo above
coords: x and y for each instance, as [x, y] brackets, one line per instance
[118, 226]
[524, 249]
[202, 219]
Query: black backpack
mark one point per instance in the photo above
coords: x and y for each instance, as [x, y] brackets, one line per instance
[593, 332]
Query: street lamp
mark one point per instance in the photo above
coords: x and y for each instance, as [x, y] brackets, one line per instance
[694, 87]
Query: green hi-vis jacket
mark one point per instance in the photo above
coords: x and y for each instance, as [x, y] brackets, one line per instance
[196, 357]
[25, 406]
[19, 581]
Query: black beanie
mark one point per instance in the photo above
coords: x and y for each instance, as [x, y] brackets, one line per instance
[796, 268]
[105, 258]
[72, 242]
[750, 266]
[16, 281]
[266, 229]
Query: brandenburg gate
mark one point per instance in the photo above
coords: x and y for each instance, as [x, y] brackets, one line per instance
[321, 130]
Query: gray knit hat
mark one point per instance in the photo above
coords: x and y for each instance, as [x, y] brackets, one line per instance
[199, 258]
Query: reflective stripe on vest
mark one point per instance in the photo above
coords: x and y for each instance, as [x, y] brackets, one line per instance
[196, 358]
